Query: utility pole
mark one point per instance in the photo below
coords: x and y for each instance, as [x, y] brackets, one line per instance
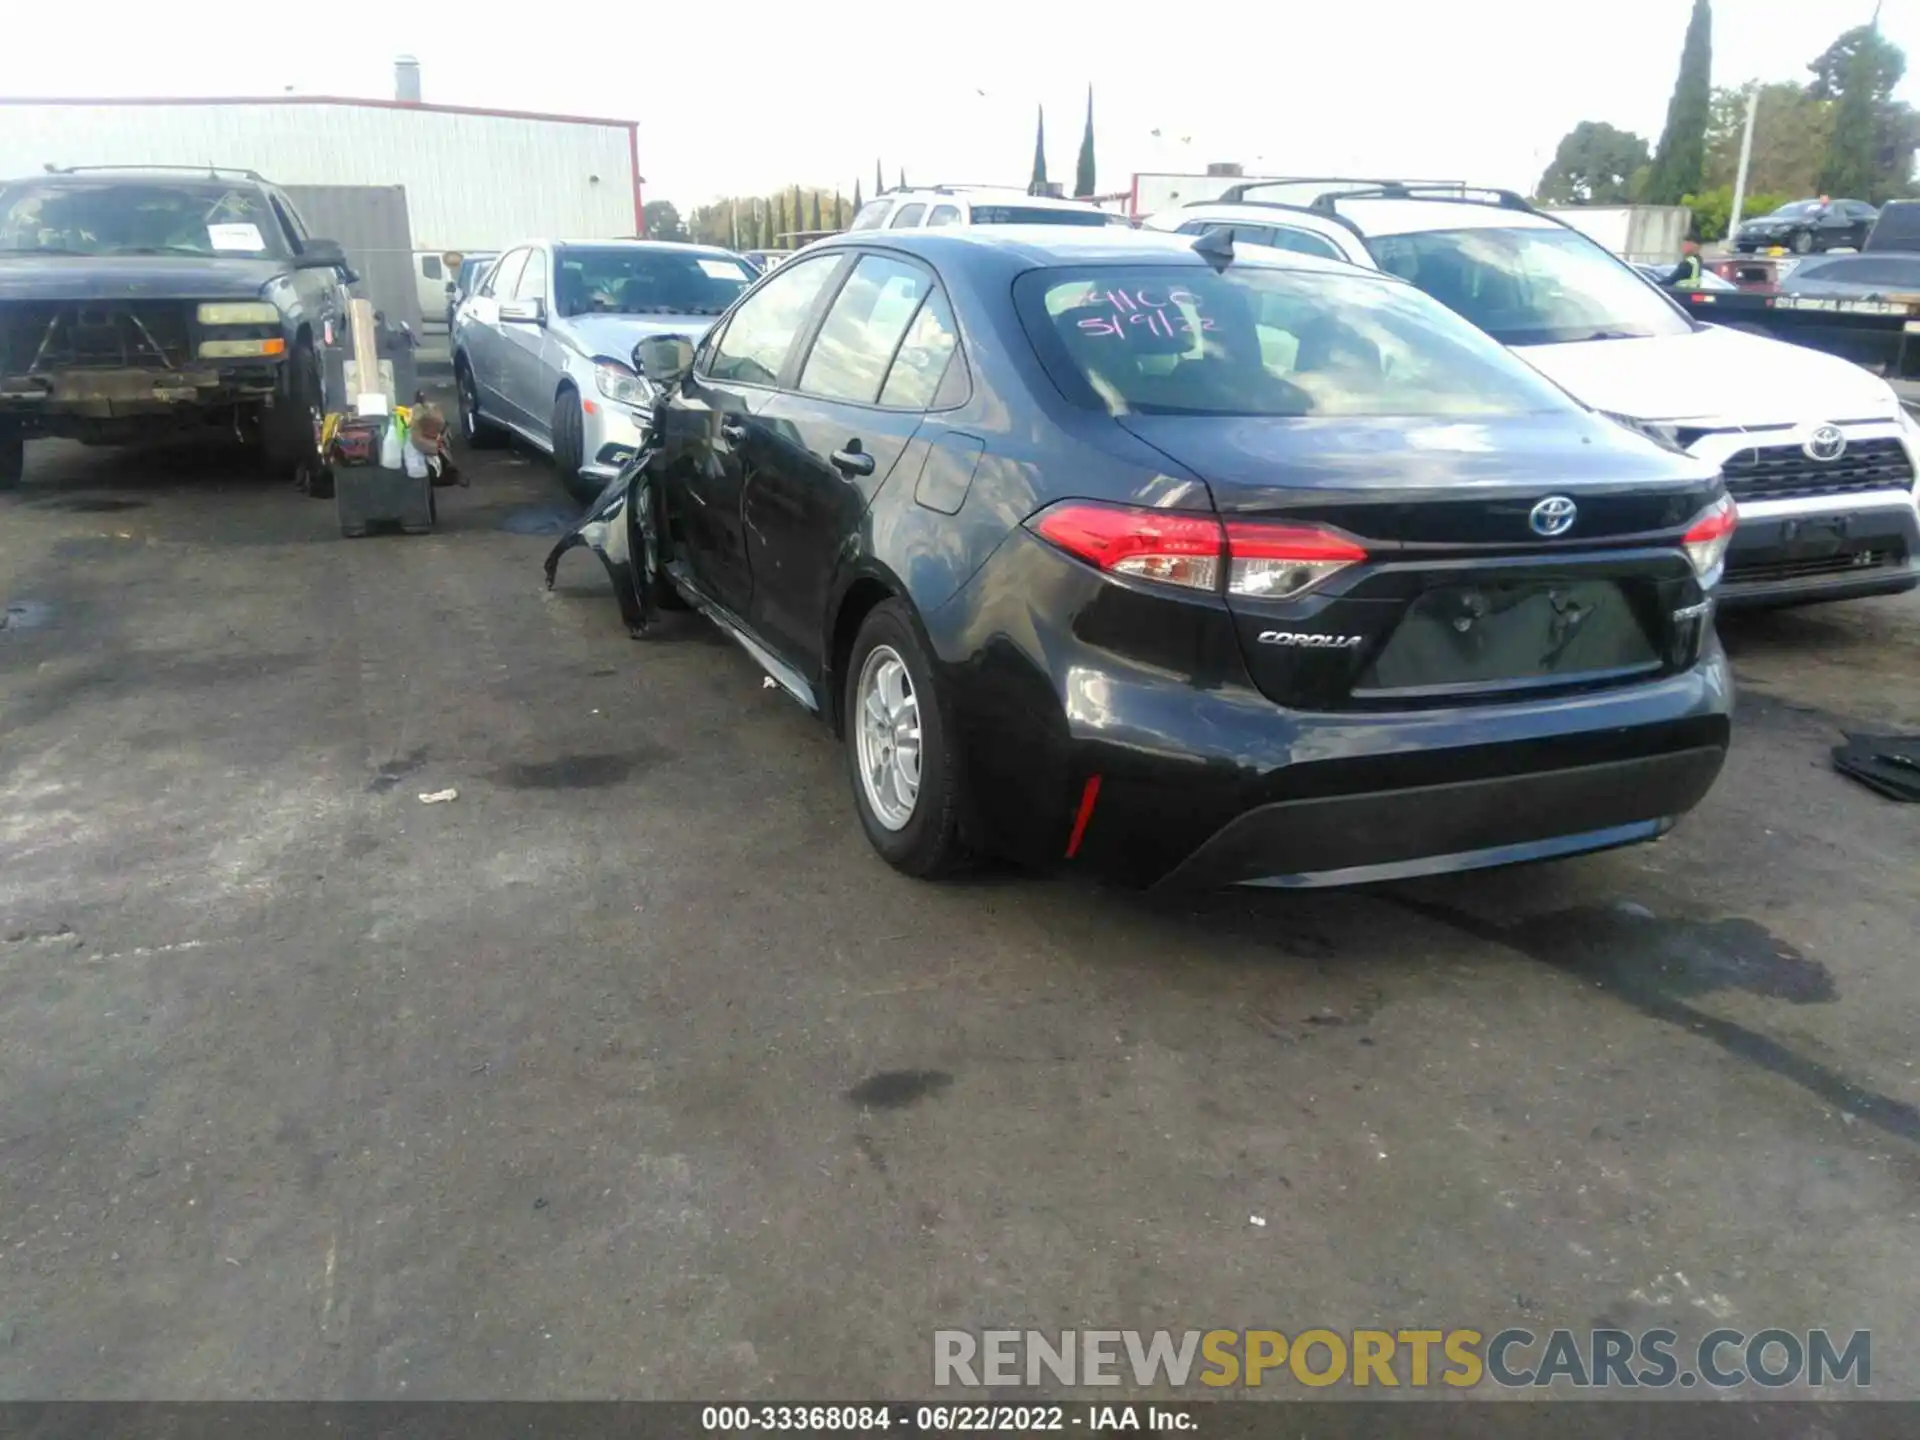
[1746, 156]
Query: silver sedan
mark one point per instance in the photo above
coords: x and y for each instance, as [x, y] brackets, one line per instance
[543, 348]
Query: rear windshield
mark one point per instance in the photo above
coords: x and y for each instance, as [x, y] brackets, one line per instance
[636, 281]
[1530, 286]
[1038, 215]
[138, 217]
[1161, 340]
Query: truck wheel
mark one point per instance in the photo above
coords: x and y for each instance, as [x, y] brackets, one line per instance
[13, 455]
[475, 428]
[291, 430]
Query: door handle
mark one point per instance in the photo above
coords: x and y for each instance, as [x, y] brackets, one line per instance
[852, 460]
[733, 432]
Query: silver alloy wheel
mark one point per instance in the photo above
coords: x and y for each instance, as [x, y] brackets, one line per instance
[888, 737]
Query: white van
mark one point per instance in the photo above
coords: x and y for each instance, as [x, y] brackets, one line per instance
[1818, 453]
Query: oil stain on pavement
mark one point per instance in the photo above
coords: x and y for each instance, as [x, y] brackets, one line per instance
[1654, 964]
[573, 772]
[897, 1089]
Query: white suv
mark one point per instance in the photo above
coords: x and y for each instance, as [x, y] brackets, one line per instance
[974, 205]
[1817, 452]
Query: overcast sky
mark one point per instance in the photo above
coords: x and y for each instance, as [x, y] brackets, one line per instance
[742, 98]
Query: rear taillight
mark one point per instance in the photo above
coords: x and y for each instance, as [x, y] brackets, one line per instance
[1707, 539]
[1173, 548]
[1245, 557]
[1278, 562]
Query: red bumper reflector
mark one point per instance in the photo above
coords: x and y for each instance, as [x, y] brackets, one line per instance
[1087, 798]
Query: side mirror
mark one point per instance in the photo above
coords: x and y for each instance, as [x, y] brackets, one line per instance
[449, 289]
[523, 312]
[663, 360]
[321, 255]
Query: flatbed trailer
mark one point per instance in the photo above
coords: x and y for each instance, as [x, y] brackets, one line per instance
[1877, 331]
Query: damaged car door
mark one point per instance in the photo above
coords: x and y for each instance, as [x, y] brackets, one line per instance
[711, 439]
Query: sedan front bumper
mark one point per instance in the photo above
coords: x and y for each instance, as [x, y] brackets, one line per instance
[613, 435]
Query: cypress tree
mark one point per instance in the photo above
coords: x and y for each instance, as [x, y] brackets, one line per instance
[1083, 176]
[1038, 184]
[1681, 159]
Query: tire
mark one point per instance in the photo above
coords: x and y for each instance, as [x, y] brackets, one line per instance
[1802, 242]
[13, 455]
[569, 444]
[920, 837]
[290, 432]
[479, 432]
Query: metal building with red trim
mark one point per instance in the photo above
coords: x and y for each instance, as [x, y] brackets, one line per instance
[476, 179]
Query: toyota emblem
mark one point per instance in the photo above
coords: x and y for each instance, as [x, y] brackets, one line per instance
[1825, 443]
[1553, 516]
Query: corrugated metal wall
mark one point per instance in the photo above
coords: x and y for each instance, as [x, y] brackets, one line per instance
[473, 182]
[371, 224]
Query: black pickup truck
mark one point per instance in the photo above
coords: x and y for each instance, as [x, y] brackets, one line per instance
[138, 301]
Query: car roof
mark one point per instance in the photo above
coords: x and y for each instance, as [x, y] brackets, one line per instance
[673, 245]
[1252, 212]
[1410, 217]
[985, 195]
[1013, 248]
[165, 174]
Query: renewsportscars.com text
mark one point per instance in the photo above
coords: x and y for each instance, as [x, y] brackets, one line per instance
[1449, 1359]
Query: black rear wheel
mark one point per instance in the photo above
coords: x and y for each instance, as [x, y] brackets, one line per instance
[1802, 242]
[905, 770]
[475, 428]
[13, 455]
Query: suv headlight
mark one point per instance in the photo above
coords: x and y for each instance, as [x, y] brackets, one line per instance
[618, 383]
[239, 312]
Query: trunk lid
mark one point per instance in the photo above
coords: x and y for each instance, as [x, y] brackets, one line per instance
[1460, 599]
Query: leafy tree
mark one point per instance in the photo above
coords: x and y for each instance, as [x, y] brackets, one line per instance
[1790, 130]
[1083, 173]
[662, 221]
[1038, 184]
[1869, 150]
[1851, 162]
[1713, 209]
[1594, 165]
[1678, 163]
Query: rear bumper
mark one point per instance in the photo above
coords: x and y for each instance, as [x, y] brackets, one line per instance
[1182, 773]
[1806, 550]
[1391, 834]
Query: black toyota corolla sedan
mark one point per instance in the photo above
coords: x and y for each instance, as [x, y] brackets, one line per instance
[1120, 550]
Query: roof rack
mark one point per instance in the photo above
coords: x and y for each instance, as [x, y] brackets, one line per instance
[1235, 193]
[213, 172]
[1343, 221]
[1424, 190]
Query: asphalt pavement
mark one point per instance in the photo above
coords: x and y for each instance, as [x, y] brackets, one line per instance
[629, 1070]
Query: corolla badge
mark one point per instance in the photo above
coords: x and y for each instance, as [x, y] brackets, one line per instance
[1825, 443]
[1553, 516]
[1307, 641]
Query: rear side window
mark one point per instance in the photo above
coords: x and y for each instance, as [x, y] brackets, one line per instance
[865, 326]
[944, 215]
[1037, 215]
[1253, 341]
[909, 215]
[872, 215]
[429, 266]
[764, 327]
[924, 357]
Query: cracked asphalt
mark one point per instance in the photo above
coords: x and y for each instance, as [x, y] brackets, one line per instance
[631, 1071]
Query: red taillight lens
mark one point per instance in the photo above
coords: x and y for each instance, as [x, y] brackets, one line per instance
[1173, 548]
[1278, 562]
[1707, 538]
[1256, 559]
